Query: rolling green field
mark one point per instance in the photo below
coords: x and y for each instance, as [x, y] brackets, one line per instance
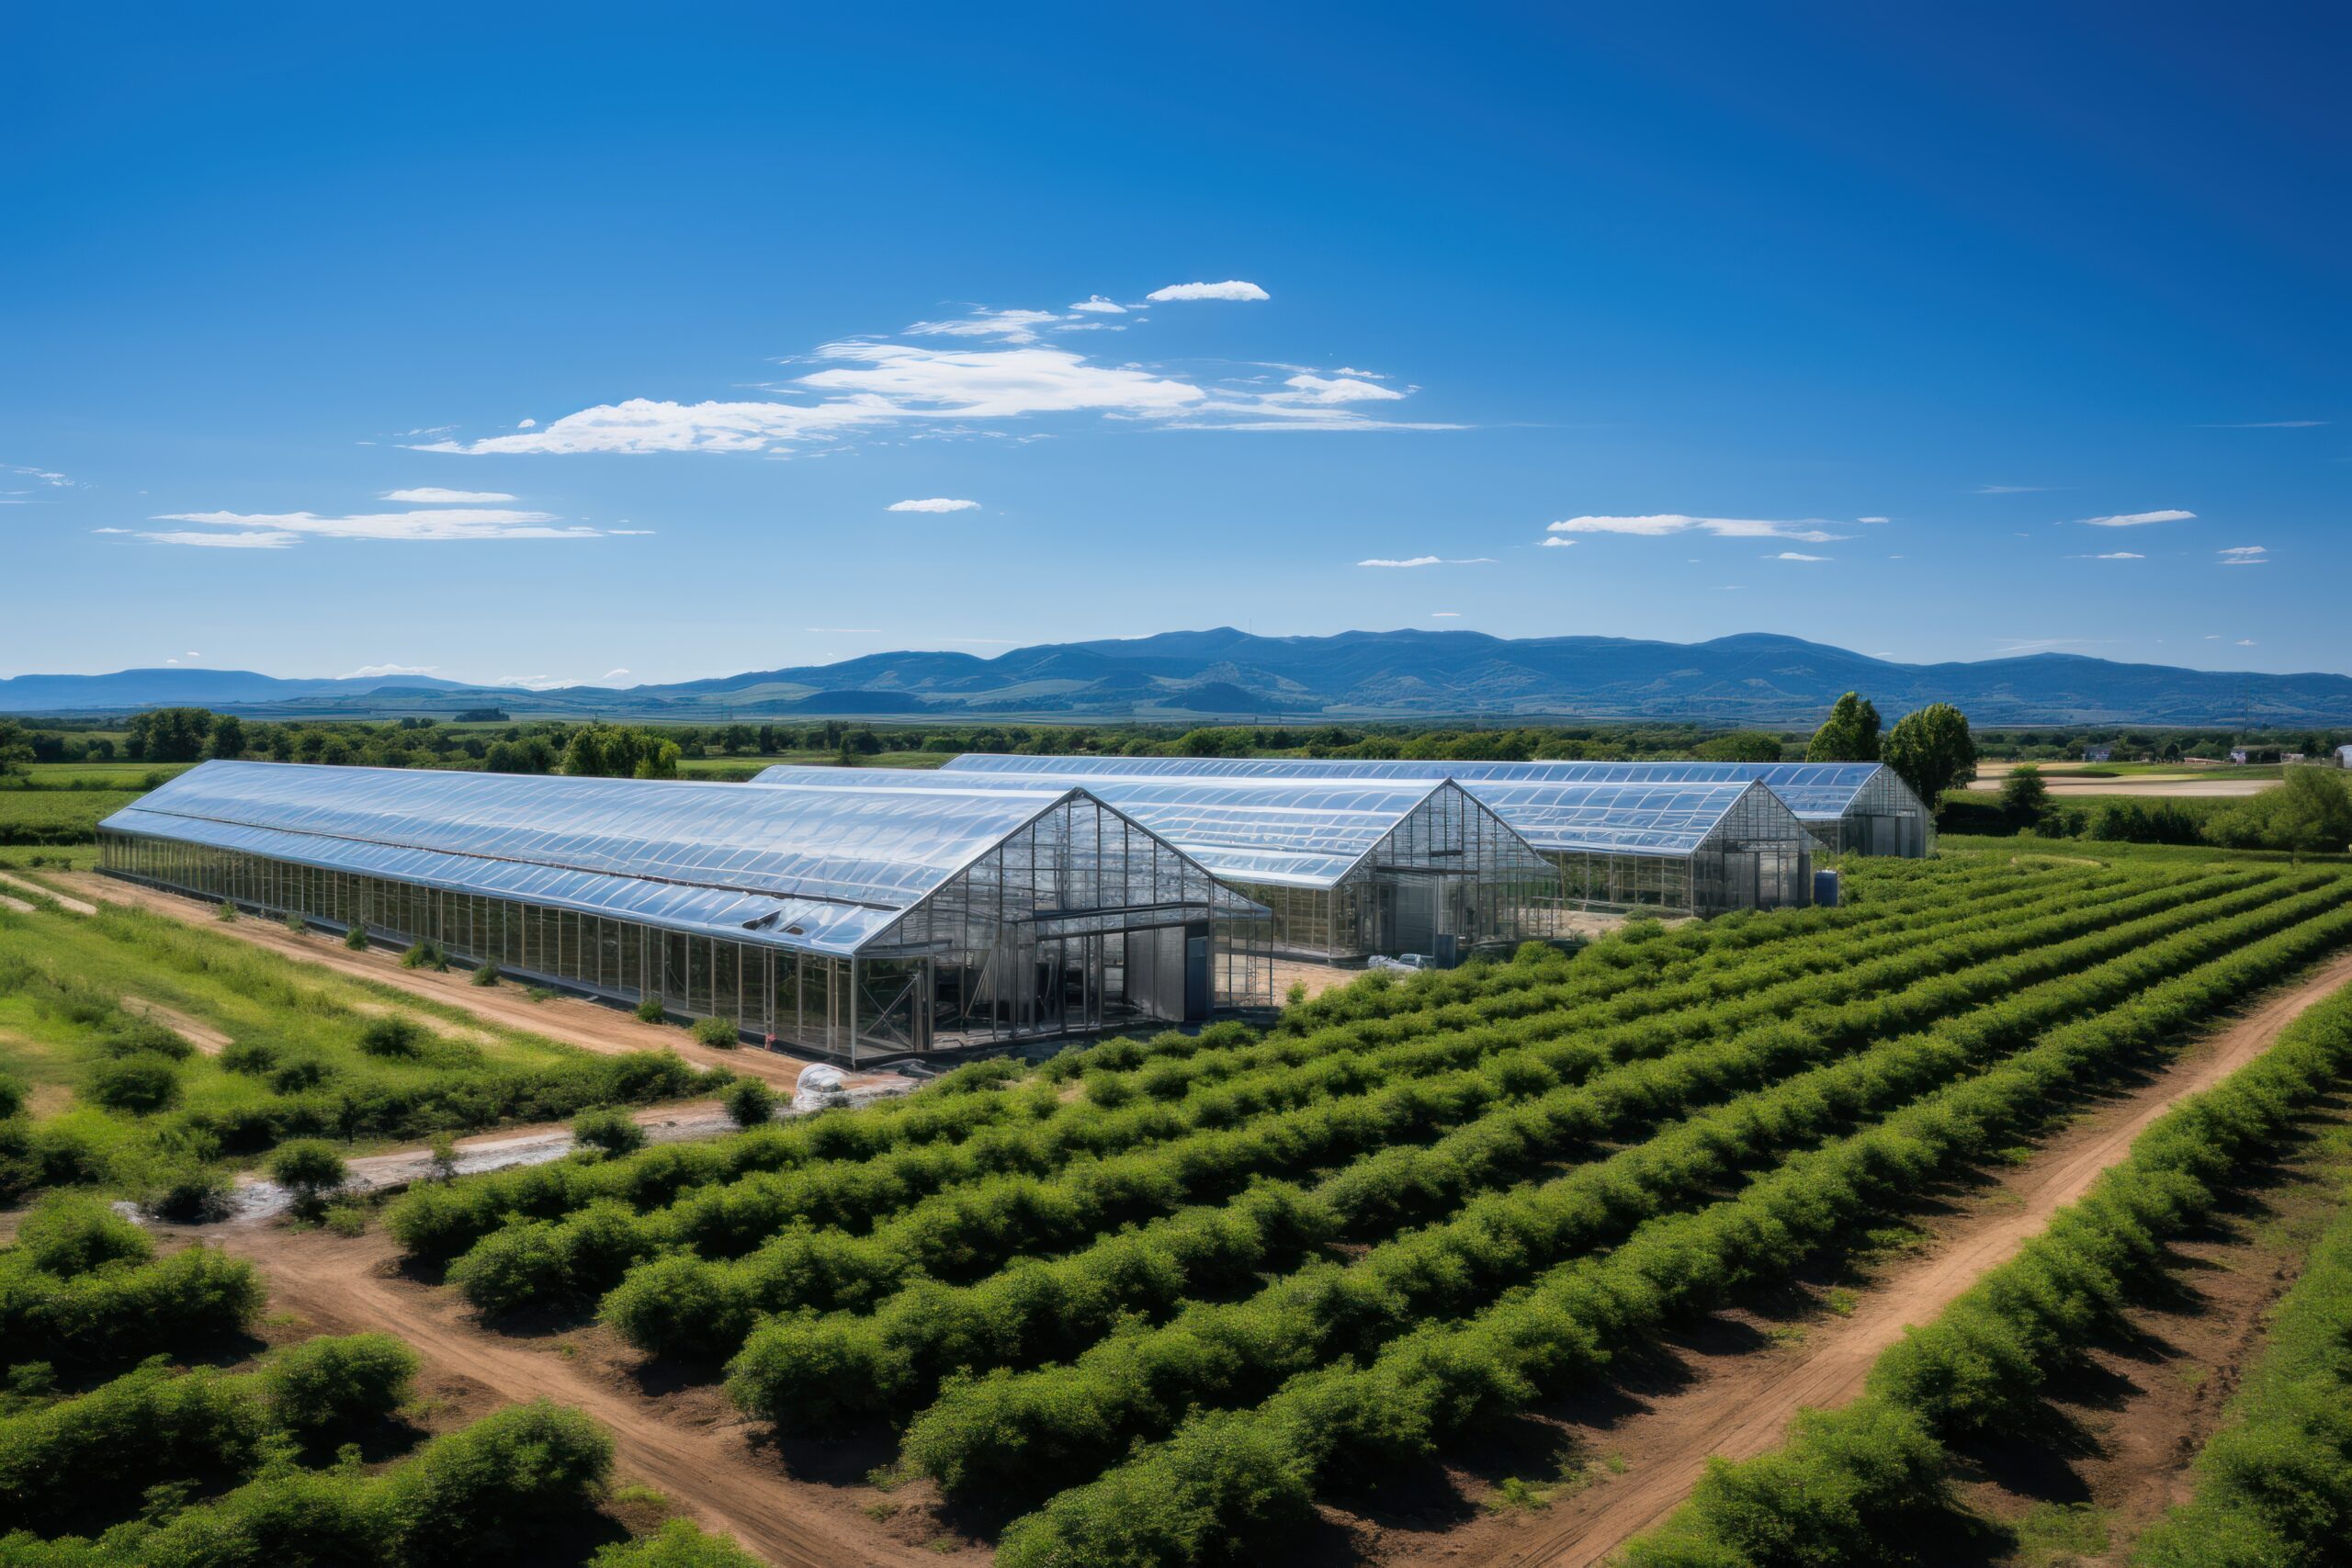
[150, 1053]
[42, 817]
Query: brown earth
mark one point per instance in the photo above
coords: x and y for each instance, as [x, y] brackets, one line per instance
[682, 1439]
[17, 906]
[1738, 1382]
[568, 1020]
[74, 906]
[194, 1030]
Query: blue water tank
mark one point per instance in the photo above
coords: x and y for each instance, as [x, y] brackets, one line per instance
[1827, 889]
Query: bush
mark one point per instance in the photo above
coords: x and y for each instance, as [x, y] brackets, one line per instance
[355, 938]
[12, 1098]
[296, 923]
[716, 1032]
[680, 1543]
[392, 1035]
[425, 955]
[130, 1036]
[224, 911]
[331, 1386]
[650, 1010]
[138, 1084]
[75, 1235]
[307, 1167]
[608, 1131]
[486, 1492]
[486, 973]
[748, 1103]
[189, 1191]
[253, 1057]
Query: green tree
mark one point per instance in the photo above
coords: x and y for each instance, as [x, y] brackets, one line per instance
[2024, 797]
[169, 735]
[1741, 746]
[609, 1130]
[2310, 812]
[749, 1102]
[16, 748]
[1849, 734]
[1932, 751]
[228, 736]
[307, 1167]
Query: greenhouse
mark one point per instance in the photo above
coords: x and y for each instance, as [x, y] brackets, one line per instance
[1850, 808]
[1349, 868]
[857, 923]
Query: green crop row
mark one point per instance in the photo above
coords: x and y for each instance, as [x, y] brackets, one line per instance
[1228, 1477]
[972, 1225]
[2277, 1489]
[83, 1289]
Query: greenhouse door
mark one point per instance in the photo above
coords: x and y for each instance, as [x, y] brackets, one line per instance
[1742, 871]
[1416, 915]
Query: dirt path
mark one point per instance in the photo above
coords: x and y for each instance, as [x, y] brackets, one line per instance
[72, 905]
[17, 906]
[194, 1030]
[566, 1018]
[1739, 1404]
[684, 1442]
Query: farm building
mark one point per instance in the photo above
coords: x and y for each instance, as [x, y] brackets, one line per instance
[857, 923]
[1850, 808]
[1349, 868]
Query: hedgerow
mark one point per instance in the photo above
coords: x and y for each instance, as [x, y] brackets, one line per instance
[81, 1288]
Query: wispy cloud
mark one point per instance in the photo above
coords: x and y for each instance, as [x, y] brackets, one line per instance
[2136, 519]
[1094, 304]
[432, 496]
[870, 384]
[1665, 525]
[1556, 543]
[2269, 425]
[935, 503]
[1870, 519]
[2009, 490]
[1445, 614]
[1432, 560]
[612, 674]
[2116, 554]
[49, 478]
[372, 672]
[1795, 555]
[2245, 555]
[1233, 288]
[279, 530]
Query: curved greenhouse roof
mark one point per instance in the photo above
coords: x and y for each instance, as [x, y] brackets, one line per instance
[823, 869]
[1817, 790]
[1300, 832]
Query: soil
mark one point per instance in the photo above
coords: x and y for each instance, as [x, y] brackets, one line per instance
[17, 906]
[570, 1020]
[2199, 785]
[680, 1436]
[1730, 1384]
[74, 906]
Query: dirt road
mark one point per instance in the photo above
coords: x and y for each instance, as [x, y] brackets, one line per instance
[2208, 784]
[687, 1441]
[19, 884]
[565, 1019]
[1739, 1404]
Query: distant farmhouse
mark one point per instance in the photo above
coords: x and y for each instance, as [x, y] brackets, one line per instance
[2098, 753]
[2343, 756]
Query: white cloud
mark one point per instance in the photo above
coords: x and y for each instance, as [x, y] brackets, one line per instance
[1445, 614]
[535, 682]
[2010, 490]
[276, 530]
[44, 476]
[1556, 543]
[1870, 519]
[1669, 523]
[1365, 375]
[610, 674]
[1095, 304]
[1322, 390]
[526, 425]
[1432, 560]
[2119, 555]
[265, 539]
[2134, 519]
[1012, 326]
[191, 653]
[109, 530]
[2245, 555]
[2245, 642]
[432, 496]
[1231, 289]
[371, 672]
[936, 503]
[1794, 555]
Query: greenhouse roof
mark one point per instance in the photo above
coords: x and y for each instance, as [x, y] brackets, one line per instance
[823, 869]
[1813, 790]
[1297, 833]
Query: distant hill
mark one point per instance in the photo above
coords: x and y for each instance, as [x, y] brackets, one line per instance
[1752, 678]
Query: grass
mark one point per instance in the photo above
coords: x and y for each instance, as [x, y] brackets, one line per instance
[61, 975]
[738, 769]
[45, 817]
[2052, 1534]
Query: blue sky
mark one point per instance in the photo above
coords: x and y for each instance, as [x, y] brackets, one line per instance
[1842, 321]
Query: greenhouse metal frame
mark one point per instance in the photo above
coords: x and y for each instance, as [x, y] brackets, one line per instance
[1349, 868]
[1850, 808]
[856, 923]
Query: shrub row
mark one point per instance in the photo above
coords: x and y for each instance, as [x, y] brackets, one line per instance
[972, 1225]
[81, 1288]
[1231, 1477]
[2274, 1494]
[1043, 1307]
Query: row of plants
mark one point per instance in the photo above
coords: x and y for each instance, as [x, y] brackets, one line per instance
[1045, 1307]
[83, 1290]
[1229, 1477]
[1042, 1308]
[970, 1226]
[2278, 1488]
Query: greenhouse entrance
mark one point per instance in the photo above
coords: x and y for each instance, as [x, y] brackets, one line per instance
[1082, 983]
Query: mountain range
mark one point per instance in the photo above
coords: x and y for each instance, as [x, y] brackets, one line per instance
[1751, 678]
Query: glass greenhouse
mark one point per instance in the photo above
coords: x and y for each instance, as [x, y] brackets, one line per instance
[1349, 867]
[857, 923]
[1850, 808]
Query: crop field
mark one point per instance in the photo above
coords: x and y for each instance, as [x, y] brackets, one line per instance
[45, 817]
[1155, 1300]
[153, 1056]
